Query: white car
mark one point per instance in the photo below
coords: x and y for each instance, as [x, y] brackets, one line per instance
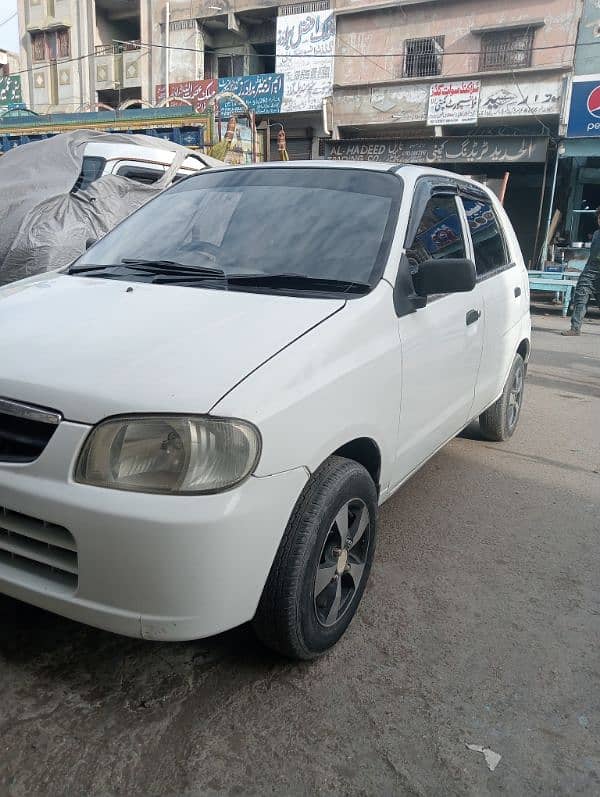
[142, 164]
[200, 417]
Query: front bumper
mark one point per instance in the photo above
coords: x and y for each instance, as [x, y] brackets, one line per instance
[151, 566]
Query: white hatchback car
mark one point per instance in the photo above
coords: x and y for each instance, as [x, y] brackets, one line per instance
[200, 417]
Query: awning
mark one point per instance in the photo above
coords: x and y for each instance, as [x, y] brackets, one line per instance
[580, 148]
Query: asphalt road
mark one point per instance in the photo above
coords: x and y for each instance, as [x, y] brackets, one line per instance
[480, 626]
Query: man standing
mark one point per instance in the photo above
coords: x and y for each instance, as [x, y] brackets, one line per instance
[588, 283]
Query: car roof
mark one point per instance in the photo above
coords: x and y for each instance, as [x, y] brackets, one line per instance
[406, 170]
[113, 150]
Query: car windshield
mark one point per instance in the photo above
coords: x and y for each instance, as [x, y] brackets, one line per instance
[328, 224]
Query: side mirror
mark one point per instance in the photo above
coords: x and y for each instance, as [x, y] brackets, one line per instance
[448, 275]
[90, 242]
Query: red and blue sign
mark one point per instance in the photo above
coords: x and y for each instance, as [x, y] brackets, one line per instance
[584, 113]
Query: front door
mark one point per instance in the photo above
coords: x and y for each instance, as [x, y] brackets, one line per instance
[441, 343]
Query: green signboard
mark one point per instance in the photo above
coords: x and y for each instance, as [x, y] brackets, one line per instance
[10, 89]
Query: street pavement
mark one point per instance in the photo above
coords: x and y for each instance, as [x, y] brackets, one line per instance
[481, 626]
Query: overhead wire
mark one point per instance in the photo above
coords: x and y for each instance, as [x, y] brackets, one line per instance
[367, 56]
[8, 19]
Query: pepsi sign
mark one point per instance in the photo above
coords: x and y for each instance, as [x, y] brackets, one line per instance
[584, 112]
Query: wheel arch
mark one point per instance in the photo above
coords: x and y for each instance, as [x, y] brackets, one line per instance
[524, 349]
[366, 452]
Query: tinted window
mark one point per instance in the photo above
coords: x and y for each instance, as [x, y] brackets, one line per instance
[91, 169]
[317, 222]
[141, 174]
[488, 243]
[439, 233]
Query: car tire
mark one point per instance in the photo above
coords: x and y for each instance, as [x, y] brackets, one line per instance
[499, 421]
[323, 562]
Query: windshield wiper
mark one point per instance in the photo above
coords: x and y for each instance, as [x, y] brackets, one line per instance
[301, 281]
[170, 267]
[84, 269]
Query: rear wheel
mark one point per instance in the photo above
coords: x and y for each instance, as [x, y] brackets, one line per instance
[323, 563]
[500, 421]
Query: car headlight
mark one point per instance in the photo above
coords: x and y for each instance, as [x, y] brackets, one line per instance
[169, 454]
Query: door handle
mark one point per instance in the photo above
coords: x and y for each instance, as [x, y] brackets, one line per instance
[517, 292]
[473, 316]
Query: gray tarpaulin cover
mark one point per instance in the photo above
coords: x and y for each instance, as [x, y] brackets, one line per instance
[42, 224]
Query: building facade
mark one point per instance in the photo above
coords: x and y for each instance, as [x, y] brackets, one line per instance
[578, 186]
[9, 63]
[72, 59]
[477, 88]
[472, 87]
[98, 54]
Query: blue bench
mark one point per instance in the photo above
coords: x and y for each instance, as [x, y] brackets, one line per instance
[561, 284]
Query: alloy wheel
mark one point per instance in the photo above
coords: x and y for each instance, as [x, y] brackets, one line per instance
[515, 398]
[342, 562]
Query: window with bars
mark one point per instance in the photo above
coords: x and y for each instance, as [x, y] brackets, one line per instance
[423, 57]
[230, 66]
[506, 49]
[50, 44]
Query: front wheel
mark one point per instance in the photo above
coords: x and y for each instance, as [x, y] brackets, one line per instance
[500, 420]
[323, 562]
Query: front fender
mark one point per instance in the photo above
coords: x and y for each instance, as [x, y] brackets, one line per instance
[339, 382]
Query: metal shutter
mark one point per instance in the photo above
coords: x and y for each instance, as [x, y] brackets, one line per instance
[299, 149]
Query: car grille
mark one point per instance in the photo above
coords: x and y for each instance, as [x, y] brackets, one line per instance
[24, 430]
[38, 548]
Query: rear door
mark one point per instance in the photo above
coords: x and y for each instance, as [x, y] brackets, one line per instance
[502, 292]
[441, 343]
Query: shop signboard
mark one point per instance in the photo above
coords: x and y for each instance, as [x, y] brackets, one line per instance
[197, 92]
[472, 149]
[304, 55]
[529, 98]
[261, 93]
[372, 104]
[453, 103]
[404, 103]
[10, 89]
[584, 111]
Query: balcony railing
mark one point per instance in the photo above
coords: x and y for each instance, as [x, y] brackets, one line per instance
[116, 47]
[118, 63]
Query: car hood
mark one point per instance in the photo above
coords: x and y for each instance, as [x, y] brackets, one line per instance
[91, 347]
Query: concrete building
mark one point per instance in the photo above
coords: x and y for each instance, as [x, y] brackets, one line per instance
[84, 54]
[578, 185]
[474, 87]
[72, 60]
[480, 88]
[215, 43]
[9, 63]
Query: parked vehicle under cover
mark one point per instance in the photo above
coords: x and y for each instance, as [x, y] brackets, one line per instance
[61, 193]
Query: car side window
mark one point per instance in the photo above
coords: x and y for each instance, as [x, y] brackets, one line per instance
[489, 246]
[439, 233]
[91, 169]
[141, 174]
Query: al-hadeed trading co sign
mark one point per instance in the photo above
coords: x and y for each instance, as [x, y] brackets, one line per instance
[584, 112]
